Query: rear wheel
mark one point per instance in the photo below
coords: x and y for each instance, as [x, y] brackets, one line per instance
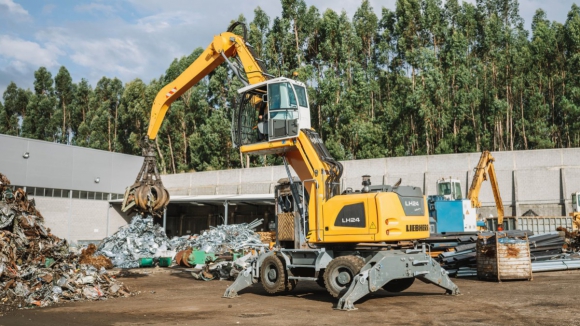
[340, 272]
[290, 285]
[273, 275]
[320, 279]
[399, 285]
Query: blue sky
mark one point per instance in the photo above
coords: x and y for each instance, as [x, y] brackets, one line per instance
[139, 38]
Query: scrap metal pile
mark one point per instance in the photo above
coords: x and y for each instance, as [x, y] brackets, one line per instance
[226, 238]
[36, 267]
[140, 239]
[213, 253]
[144, 239]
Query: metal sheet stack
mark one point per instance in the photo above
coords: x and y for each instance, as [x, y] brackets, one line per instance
[547, 253]
[455, 252]
[546, 246]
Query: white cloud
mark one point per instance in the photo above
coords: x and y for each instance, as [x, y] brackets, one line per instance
[11, 9]
[102, 55]
[47, 9]
[20, 52]
[95, 7]
[164, 20]
[110, 55]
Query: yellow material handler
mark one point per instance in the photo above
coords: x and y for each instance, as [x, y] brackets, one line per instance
[349, 242]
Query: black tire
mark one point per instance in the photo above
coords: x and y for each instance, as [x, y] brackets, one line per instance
[290, 285]
[320, 280]
[340, 272]
[399, 285]
[273, 275]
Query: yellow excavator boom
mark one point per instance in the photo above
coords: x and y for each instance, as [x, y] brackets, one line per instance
[147, 195]
[223, 46]
[484, 171]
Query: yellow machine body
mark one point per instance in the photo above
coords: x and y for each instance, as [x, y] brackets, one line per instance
[381, 215]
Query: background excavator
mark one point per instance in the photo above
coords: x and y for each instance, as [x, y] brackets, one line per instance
[449, 211]
[349, 242]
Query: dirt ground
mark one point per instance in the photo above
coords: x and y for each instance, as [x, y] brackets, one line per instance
[173, 297]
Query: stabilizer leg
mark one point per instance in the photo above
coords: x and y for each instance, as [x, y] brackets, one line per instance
[244, 280]
[391, 265]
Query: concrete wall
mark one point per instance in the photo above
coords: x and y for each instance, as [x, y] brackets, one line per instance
[541, 180]
[51, 165]
[80, 219]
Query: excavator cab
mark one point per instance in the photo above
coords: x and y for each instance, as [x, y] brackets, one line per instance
[275, 109]
[450, 189]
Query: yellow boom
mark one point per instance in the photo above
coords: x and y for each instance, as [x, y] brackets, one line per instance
[223, 46]
[484, 171]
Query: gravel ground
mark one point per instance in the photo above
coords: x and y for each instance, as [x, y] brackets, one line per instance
[172, 297]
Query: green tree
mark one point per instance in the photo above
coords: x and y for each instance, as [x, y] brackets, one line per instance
[64, 91]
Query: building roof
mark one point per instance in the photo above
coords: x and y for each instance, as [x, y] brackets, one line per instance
[255, 199]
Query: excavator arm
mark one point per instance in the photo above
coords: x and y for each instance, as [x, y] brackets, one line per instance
[223, 46]
[484, 171]
[147, 195]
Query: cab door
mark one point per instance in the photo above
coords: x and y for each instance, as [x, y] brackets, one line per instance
[283, 113]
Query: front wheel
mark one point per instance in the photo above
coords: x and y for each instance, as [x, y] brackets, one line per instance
[273, 275]
[340, 273]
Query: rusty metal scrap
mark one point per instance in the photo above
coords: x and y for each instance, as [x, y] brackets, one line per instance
[36, 267]
[88, 257]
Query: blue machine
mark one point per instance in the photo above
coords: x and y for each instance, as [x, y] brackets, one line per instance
[448, 211]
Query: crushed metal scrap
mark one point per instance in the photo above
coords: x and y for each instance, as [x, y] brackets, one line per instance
[232, 237]
[214, 251]
[38, 268]
[142, 238]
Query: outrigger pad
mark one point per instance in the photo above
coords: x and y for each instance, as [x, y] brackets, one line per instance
[243, 280]
[386, 266]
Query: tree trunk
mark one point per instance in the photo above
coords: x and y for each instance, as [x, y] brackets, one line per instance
[297, 43]
[163, 165]
[109, 131]
[64, 138]
[171, 152]
[115, 135]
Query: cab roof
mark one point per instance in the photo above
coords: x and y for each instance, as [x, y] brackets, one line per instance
[270, 81]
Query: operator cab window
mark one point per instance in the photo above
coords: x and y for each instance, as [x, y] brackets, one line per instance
[283, 110]
[457, 190]
[444, 189]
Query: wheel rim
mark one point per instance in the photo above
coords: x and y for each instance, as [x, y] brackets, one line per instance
[342, 277]
[272, 274]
